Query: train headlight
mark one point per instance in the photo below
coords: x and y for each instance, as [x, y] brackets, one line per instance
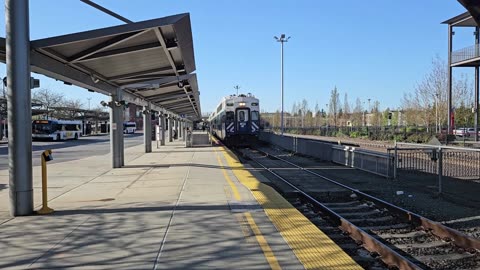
[241, 104]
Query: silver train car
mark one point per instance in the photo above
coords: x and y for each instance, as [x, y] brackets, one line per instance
[236, 121]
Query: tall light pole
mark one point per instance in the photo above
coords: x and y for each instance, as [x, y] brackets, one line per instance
[282, 40]
[89, 102]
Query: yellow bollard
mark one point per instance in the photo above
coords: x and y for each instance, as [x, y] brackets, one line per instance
[46, 156]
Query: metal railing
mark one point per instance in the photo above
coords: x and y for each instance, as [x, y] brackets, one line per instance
[376, 163]
[441, 161]
[466, 54]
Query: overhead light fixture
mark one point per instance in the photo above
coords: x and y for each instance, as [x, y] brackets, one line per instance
[104, 104]
[94, 78]
[183, 83]
[180, 84]
[120, 103]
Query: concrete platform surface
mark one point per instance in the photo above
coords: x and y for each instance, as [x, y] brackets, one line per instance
[175, 208]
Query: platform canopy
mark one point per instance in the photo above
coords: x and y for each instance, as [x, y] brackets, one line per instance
[119, 57]
[471, 18]
[473, 7]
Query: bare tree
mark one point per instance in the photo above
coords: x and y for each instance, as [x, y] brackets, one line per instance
[303, 111]
[317, 114]
[358, 113]
[334, 106]
[346, 109]
[73, 108]
[48, 98]
[428, 104]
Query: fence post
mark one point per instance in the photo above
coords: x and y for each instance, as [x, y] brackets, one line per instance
[440, 169]
[395, 161]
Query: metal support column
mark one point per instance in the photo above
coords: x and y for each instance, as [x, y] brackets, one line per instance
[176, 126]
[450, 109]
[180, 132]
[116, 131]
[147, 129]
[170, 126]
[19, 107]
[162, 130]
[477, 74]
[184, 130]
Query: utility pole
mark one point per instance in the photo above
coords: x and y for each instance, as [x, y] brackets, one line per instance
[282, 40]
[236, 87]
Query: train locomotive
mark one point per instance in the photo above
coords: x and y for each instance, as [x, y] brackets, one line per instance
[236, 121]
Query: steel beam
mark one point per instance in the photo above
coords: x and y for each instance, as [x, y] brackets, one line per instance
[147, 129]
[121, 51]
[107, 11]
[138, 73]
[162, 81]
[160, 38]
[19, 107]
[104, 45]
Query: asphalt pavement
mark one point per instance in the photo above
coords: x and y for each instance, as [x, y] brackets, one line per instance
[72, 149]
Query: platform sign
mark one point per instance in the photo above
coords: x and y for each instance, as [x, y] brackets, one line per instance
[157, 134]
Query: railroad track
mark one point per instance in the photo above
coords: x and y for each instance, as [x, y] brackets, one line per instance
[380, 230]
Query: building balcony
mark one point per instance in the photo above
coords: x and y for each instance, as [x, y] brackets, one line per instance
[467, 57]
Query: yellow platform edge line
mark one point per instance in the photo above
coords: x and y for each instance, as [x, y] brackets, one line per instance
[313, 248]
[262, 242]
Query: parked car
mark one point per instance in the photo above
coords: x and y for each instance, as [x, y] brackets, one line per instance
[461, 132]
[471, 131]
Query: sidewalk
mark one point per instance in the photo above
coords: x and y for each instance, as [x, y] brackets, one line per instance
[170, 209]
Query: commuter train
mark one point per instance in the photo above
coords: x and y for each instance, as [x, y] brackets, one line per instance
[236, 121]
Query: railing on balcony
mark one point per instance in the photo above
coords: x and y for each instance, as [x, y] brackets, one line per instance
[466, 54]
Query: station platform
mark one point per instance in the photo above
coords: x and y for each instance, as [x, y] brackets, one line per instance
[174, 208]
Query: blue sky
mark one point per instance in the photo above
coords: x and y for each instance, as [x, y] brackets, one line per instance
[373, 49]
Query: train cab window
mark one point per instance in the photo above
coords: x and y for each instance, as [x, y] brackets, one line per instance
[242, 117]
[254, 116]
[230, 116]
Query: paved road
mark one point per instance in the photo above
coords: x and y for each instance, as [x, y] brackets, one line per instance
[71, 150]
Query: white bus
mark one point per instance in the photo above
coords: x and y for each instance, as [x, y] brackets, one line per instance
[56, 130]
[129, 127]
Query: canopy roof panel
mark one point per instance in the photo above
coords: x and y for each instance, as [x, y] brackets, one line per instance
[473, 7]
[464, 19]
[107, 59]
[175, 93]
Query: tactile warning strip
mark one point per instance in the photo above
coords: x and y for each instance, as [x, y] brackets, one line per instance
[313, 248]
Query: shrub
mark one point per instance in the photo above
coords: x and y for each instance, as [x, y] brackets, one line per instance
[354, 134]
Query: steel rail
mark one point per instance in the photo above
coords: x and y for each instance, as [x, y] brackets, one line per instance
[388, 255]
[438, 229]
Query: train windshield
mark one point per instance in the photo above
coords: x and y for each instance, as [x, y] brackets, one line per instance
[254, 116]
[242, 116]
[230, 116]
